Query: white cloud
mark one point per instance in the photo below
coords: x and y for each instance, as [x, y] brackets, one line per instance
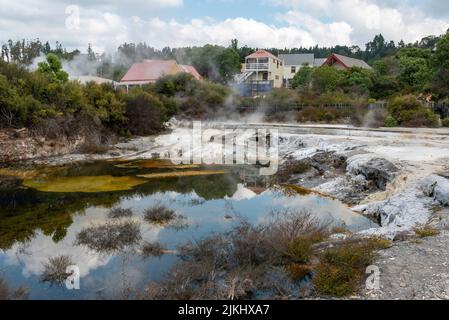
[106, 24]
[395, 20]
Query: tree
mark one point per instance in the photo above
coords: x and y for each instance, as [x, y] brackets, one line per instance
[235, 44]
[228, 64]
[440, 65]
[358, 80]
[408, 111]
[326, 79]
[90, 53]
[441, 56]
[145, 112]
[53, 67]
[414, 68]
[302, 77]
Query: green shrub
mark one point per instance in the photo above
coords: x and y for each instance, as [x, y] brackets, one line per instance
[391, 122]
[326, 114]
[298, 271]
[445, 122]
[341, 269]
[145, 113]
[300, 249]
[410, 112]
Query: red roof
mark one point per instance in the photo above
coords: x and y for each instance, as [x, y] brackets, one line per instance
[262, 54]
[346, 62]
[151, 70]
[192, 71]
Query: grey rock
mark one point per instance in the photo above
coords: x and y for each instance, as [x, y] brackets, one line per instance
[378, 170]
[437, 187]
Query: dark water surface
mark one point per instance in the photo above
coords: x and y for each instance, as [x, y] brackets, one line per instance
[42, 212]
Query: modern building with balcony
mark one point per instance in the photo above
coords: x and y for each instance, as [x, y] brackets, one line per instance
[261, 72]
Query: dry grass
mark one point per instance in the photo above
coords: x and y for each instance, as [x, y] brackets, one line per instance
[340, 229]
[110, 237]
[55, 270]
[426, 232]
[235, 264]
[299, 271]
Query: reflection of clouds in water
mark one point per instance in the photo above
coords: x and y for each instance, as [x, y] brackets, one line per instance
[323, 208]
[242, 193]
[100, 271]
[41, 247]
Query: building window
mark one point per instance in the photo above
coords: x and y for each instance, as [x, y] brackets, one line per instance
[277, 77]
[294, 69]
[265, 76]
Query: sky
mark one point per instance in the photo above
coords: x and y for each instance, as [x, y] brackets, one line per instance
[263, 23]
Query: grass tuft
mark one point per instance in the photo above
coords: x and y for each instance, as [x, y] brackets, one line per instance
[426, 232]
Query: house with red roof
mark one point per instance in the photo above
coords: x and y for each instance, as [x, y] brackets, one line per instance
[261, 72]
[149, 71]
[345, 63]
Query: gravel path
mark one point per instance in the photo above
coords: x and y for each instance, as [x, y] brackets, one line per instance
[417, 269]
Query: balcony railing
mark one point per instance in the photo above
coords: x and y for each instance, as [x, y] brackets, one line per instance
[254, 88]
[257, 66]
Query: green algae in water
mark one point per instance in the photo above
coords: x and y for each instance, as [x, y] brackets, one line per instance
[88, 184]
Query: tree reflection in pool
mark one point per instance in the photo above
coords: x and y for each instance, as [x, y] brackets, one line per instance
[38, 225]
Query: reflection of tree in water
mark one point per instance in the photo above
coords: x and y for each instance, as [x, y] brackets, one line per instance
[111, 237]
[23, 211]
[55, 270]
[8, 293]
[160, 215]
[118, 213]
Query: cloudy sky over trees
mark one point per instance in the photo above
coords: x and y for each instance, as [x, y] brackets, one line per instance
[261, 23]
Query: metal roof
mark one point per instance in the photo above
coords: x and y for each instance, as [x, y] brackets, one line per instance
[298, 59]
[350, 62]
[319, 62]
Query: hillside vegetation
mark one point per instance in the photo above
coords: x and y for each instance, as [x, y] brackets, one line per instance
[49, 104]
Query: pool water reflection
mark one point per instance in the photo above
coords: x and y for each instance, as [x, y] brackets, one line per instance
[37, 225]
